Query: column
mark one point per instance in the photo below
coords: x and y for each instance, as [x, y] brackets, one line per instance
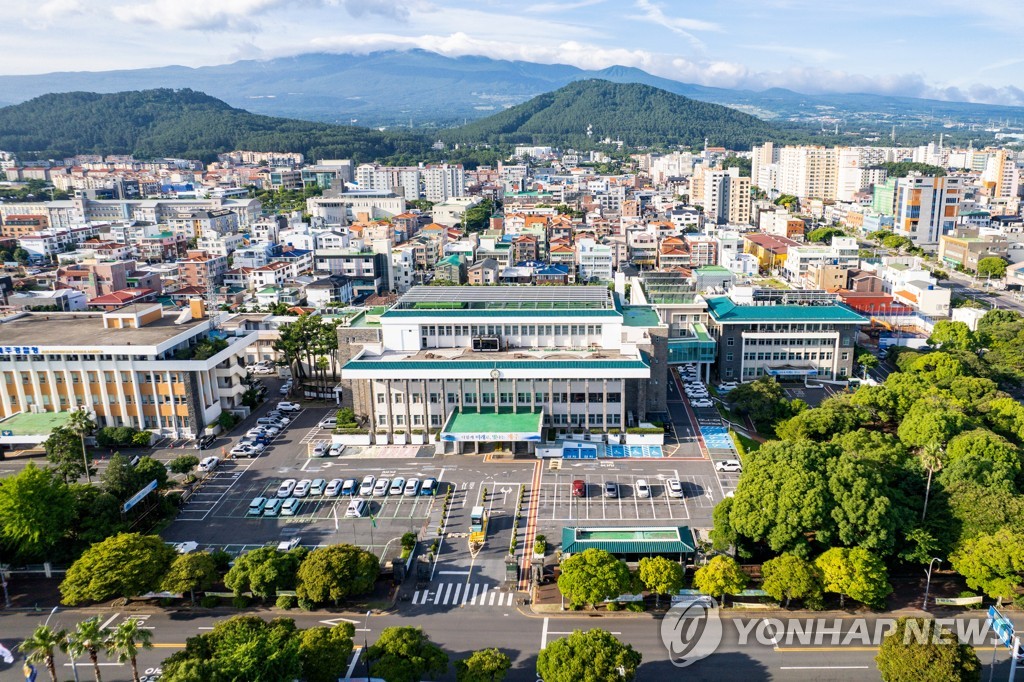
[426, 407]
[551, 401]
[604, 405]
[408, 408]
[174, 404]
[586, 406]
[156, 399]
[387, 405]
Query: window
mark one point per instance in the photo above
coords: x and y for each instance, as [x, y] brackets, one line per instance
[506, 398]
[417, 420]
[398, 399]
[416, 398]
[399, 420]
[729, 341]
[435, 398]
[381, 398]
[486, 398]
[469, 398]
[382, 419]
[728, 357]
[435, 420]
[453, 398]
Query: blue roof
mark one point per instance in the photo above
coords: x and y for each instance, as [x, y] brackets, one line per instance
[724, 310]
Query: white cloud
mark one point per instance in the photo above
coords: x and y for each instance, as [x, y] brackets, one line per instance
[559, 7]
[678, 25]
[817, 54]
[204, 15]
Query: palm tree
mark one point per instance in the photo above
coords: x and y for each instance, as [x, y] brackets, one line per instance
[126, 641]
[82, 425]
[88, 638]
[38, 648]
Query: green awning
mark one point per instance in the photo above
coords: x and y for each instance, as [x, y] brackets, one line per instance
[491, 425]
[645, 540]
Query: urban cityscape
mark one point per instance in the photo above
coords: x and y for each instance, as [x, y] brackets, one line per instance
[604, 368]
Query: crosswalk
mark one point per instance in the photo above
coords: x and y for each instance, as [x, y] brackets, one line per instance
[463, 594]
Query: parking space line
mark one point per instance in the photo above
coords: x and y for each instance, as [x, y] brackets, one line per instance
[636, 500]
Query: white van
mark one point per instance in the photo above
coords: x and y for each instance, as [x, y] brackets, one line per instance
[356, 509]
[328, 423]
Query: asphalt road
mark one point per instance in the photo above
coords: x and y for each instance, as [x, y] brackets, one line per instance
[838, 653]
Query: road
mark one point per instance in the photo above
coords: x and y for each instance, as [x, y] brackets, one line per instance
[522, 635]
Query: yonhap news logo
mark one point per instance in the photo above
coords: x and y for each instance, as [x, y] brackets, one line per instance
[691, 631]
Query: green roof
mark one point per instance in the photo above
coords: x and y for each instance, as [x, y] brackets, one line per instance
[714, 270]
[377, 365]
[640, 316]
[724, 310]
[505, 312]
[34, 424]
[648, 540]
[701, 332]
[505, 420]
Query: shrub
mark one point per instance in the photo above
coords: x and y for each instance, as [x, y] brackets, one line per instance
[409, 540]
[141, 439]
[636, 607]
[306, 604]
[209, 601]
[614, 606]
[286, 601]
[221, 559]
[240, 602]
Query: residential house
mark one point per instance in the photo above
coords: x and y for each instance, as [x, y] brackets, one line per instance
[483, 272]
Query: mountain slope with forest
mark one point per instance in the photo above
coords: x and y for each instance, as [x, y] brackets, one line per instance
[637, 114]
[179, 123]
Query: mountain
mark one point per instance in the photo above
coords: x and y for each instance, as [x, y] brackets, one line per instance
[179, 123]
[639, 115]
[424, 88]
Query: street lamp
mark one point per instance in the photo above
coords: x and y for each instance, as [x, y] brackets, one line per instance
[928, 583]
[47, 621]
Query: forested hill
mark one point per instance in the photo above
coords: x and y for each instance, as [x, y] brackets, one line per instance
[179, 123]
[634, 113]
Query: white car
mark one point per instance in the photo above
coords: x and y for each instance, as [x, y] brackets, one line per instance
[726, 387]
[286, 487]
[320, 450]
[288, 407]
[675, 487]
[703, 402]
[209, 463]
[302, 488]
[279, 418]
[397, 486]
[641, 487]
[336, 449]
[254, 447]
[731, 465]
[366, 487]
[288, 545]
[285, 388]
[380, 489]
[262, 370]
[245, 450]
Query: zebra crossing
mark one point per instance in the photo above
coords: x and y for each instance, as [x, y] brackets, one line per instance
[463, 594]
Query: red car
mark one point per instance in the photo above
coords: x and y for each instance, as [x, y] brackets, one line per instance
[579, 488]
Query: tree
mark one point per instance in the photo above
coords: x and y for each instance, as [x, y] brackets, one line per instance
[67, 455]
[324, 652]
[122, 480]
[88, 638]
[39, 647]
[784, 495]
[81, 424]
[993, 266]
[588, 656]
[484, 665]
[264, 571]
[992, 563]
[920, 649]
[863, 509]
[125, 565]
[183, 465]
[856, 573]
[190, 572]
[953, 335]
[824, 235]
[788, 576]
[21, 255]
[661, 575]
[719, 577]
[592, 576]
[867, 361]
[762, 400]
[336, 572]
[36, 508]
[928, 426]
[240, 648]
[981, 445]
[405, 654]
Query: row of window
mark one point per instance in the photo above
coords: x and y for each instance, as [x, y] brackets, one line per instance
[791, 355]
[783, 341]
[597, 419]
[487, 398]
[108, 378]
[95, 400]
[510, 330]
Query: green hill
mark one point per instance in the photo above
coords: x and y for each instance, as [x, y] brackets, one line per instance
[179, 123]
[634, 113]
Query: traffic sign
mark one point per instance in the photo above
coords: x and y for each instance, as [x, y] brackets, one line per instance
[1001, 626]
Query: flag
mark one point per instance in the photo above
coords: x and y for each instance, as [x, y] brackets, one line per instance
[29, 671]
[6, 654]
[373, 520]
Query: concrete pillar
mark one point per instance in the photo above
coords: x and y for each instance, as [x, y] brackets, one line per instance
[387, 405]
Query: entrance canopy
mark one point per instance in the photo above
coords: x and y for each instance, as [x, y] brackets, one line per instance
[505, 424]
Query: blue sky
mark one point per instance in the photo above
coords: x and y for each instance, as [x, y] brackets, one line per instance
[947, 49]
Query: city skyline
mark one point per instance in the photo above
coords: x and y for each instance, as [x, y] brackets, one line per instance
[744, 45]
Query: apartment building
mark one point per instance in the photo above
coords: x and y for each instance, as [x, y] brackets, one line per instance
[202, 269]
[927, 207]
[966, 247]
[842, 253]
[724, 195]
[129, 367]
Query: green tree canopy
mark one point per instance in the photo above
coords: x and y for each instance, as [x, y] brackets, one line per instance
[330, 574]
[720, 576]
[914, 651]
[125, 565]
[36, 508]
[64, 451]
[484, 665]
[264, 571]
[661, 575]
[855, 573]
[762, 400]
[992, 563]
[588, 656]
[788, 576]
[592, 576]
[88, 638]
[183, 464]
[324, 652]
[128, 638]
[824, 235]
[40, 646]
[191, 572]
[955, 335]
[405, 654]
[993, 266]
[240, 648]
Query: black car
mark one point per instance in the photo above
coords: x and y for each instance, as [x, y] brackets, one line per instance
[205, 441]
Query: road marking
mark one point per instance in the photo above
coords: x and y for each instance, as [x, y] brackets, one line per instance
[454, 572]
[823, 667]
[448, 592]
[110, 620]
[355, 660]
[825, 648]
[206, 627]
[335, 621]
[165, 645]
[483, 595]
[544, 635]
[476, 586]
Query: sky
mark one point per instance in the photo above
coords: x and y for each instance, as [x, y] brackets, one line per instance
[943, 49]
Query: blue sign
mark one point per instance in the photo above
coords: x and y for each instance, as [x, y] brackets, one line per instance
[6, 432]
[19, 350]
[1002, 627]
[29, 671]
[137, 497]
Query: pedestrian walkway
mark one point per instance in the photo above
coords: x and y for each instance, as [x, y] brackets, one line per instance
[463, 594]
